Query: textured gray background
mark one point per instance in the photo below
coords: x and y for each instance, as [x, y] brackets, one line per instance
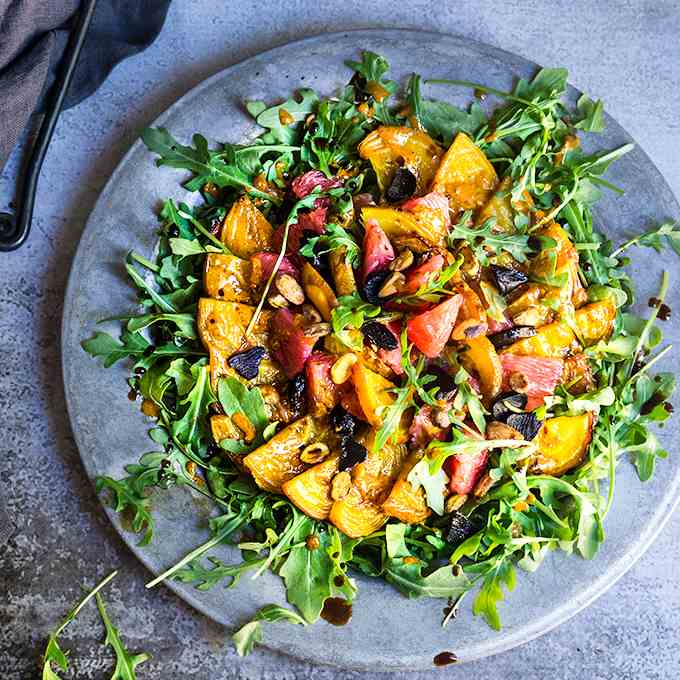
[627, 53]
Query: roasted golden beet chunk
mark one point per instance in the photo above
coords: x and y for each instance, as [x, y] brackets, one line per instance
[562, 443]
[222, 327]
[355, 516]
[402, 226]
[388, 148]
[376, 475]
[404, 502]
[318, 291]
[245, 230]
[481, 358]
[595, 321]
[310, 491]
[465, 175]
[227, 277]
[278, 460]
[373, 392]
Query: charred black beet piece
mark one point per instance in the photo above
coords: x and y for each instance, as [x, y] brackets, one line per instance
[508, 403]
[402, 186]
[343, 422]
[444, 382]
[373, 284]
[351, 453]
[247, 363]
[296, 395]
[379, 335]
[506, 338]
[527, 424]
[460, 528]
[508, 279]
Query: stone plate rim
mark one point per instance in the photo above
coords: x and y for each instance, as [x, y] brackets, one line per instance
[367, 658]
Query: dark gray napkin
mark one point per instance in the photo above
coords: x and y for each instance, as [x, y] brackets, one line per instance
[33, 34]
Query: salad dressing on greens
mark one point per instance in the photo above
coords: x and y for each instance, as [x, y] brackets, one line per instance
[387, 340]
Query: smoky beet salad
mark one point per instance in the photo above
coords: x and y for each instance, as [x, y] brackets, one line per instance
[387, 340]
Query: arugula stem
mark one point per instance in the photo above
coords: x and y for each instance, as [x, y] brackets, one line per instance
[612, 469]
[144, 262]
[650, 322]
[189, 557]
[76, 610]
[262, 148]
[265, 292]
[204, 231]
[480, 88]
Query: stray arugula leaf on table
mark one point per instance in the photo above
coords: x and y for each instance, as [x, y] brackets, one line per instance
[56, 660]
[125, 661]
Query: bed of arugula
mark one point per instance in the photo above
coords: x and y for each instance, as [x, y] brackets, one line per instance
[170, 366]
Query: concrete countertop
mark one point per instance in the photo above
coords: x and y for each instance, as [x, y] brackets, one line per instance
[627, 53]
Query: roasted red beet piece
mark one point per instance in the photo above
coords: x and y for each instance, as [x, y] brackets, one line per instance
[392, 357]
[304, 184]
[322, 392]
[289, 345]
[541, 375]
[423, 429]
[378, 251]
[422, 273]
[464, 470]
[264, 262]
[434, 201]
[430, 331]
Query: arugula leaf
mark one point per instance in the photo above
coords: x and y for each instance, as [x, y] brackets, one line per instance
[125, 662]
[434, 289]
[185, 247]
[415, 384]
[111, 350]
[373, 85]
[484, 240]
[279, 120]
[464, 444]
[307, 572]
[500, 573]
[185, 323]
[666, 234]
[53, 652]
[591, 114]
[128, 498]
[351, 313]
[207, 166]
[334, 238]
[235, 397]
[208, 578]
[441, 119]
[246, 637]
[192, 426]
[404, 571]
[434, 485]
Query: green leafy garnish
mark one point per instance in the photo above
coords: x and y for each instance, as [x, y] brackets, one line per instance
[249, 635]
[125, 661]
[56, 660]
[414, 385]
[207, 165]
[484, 240]
[334, 238]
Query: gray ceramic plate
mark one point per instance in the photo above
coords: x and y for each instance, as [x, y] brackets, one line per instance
[387, 630]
